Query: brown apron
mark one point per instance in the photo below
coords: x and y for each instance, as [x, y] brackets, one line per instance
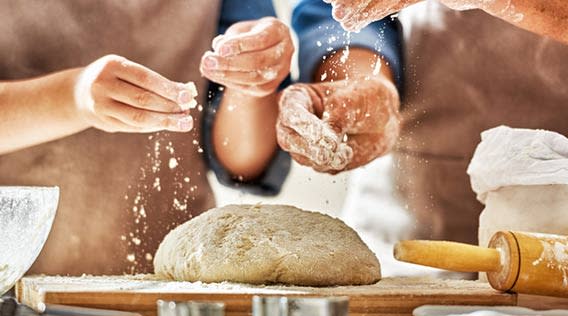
[467, 72]
[113, 211]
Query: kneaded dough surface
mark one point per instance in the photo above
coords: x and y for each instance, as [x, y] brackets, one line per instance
[266, 244]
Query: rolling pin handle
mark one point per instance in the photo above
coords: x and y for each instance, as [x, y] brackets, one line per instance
[447, 255]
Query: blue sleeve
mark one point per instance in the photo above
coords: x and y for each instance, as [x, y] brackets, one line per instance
[271, 181]
[320, 35]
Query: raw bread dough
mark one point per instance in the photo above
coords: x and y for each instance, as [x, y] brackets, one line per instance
[263, 244]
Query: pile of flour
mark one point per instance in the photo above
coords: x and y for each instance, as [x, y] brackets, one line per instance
[510, 156]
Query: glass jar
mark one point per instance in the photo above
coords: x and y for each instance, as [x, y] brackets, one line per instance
[300, 306]
[190, 308]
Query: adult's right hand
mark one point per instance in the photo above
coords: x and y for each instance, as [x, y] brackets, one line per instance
[354, 15]
[114, 94]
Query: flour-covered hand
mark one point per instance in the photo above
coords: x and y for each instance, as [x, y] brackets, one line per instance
[354, 15]
[117, 95]
[253, 56]
[336, 126]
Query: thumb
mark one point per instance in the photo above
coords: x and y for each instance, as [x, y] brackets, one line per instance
[303, 95]
[361, 105]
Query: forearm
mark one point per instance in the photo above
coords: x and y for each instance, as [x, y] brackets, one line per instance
[544, 17]
[38, 110]
[359, 63]
[244, 136]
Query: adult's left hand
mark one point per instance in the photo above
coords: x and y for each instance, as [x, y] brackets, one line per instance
[252, 57]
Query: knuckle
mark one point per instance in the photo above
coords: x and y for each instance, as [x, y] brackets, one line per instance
[265, 37]
[139, 117]
[99, 108]
[262, 60]
[113, 57]
[143, 98]
[111, 62]
[289, 45]
[98, 88]
[143, 76]
[110, 130]
[110, 66]
[269, 20]
[281, 27]
[171, 107]
[235, 26]
[254, 76]
[282, 138]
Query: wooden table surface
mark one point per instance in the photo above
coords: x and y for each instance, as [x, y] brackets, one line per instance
[389, 297]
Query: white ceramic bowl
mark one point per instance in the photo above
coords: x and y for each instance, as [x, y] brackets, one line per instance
[26, 217]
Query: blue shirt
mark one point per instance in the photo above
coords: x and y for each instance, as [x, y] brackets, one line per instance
[319, 35]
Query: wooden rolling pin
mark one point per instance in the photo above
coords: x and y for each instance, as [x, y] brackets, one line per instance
[528, 263]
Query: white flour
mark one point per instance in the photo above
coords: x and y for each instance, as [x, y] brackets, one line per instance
[507, 157]
[152, 284]
[161, 156]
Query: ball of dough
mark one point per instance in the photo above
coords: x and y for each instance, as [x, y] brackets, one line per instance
[266, 244]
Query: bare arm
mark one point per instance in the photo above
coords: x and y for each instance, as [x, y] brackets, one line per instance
[38, 110]
[361, 63]
[111, 94]
[244, 137]
[544, 17]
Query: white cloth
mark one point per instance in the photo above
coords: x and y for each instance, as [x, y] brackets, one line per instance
[510, 156]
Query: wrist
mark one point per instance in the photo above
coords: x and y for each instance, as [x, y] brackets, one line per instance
[72, 109]
[244, 99]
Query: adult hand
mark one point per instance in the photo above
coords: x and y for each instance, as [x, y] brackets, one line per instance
[336, 126]
[117, 95]
[493, 5]
[356, 14]
[253, 57]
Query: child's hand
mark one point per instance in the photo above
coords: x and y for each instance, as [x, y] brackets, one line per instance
[335, 126]
[253, 57]
[116, 95]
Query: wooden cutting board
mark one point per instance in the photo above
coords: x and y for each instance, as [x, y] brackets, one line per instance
[390, 296]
